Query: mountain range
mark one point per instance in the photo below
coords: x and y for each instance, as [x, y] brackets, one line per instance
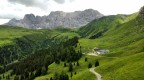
[57, 19]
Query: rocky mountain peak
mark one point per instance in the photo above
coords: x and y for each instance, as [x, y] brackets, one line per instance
[30, 17]
[57, 18]
[57, 13]
[90, 10]
[14, 19]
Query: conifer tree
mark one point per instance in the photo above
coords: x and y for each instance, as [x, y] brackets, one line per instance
[89, 65]
[96, 63]
[77, 63]
[70, 67]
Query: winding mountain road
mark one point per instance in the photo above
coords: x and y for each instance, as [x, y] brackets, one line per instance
[99, 77]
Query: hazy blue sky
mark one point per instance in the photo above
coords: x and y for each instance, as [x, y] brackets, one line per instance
[18, 8]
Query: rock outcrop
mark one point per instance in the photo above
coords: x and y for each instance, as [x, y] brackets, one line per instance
[57, 18]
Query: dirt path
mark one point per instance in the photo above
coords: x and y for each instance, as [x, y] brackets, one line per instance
[99, 77]
[92, 54]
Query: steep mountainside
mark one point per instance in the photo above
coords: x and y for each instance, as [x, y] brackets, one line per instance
[58, 18]
[97, 27]
[24, 51]
[17, 42]
[125, 42]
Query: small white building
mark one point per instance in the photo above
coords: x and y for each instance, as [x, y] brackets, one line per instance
[101, 51]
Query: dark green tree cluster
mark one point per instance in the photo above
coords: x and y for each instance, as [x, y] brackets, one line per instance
[5, 77]
[96, 64]
[37, 64]
[8, 54]
[62, 76]
[23, 47]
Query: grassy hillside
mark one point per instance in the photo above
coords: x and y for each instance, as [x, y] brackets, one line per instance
[82, 71]
[125, 68]
[118, 39]
[124, 41]
[17, 42]
[97, 27]
[9, 33]
[26, 45]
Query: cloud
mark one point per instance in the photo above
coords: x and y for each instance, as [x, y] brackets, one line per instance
[71, 0]
[37, 3]
[18, 8]
[60, 1]
[63, 1]
[31, 3]
[3, 21]
[25, 2]
[13, 10]
[8, 16]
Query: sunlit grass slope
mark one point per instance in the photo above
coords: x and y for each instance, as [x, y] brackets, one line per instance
[124, 41]
[82, 71]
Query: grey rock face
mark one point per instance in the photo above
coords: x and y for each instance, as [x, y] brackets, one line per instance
[57, 18]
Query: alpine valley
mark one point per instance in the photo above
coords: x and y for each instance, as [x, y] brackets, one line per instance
[81, 45]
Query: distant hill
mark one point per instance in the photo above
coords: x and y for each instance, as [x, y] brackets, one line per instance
[57, 18]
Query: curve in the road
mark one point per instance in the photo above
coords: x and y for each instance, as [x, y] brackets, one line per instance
[99, 77]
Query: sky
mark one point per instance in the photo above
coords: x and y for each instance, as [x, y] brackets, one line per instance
[18, 8]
